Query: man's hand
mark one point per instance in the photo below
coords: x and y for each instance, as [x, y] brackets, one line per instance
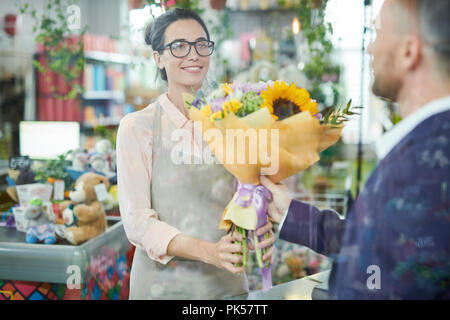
[281, 199]
[267, 244]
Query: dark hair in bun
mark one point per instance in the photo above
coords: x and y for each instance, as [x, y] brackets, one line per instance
[155, 31]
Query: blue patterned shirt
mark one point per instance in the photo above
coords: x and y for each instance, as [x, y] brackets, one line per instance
[394, 242]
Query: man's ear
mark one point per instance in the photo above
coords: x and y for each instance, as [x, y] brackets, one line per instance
[411, 50]
[157, 58]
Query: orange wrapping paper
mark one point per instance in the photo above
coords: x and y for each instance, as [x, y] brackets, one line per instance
[300, 139]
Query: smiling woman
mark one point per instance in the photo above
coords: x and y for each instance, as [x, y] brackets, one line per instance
[170, 210]
[173, 55]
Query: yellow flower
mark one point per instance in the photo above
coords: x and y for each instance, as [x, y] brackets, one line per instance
[231, 106]
[227, 89]
[283, 100]
[216, 115]
[310, 106]
[206, 110]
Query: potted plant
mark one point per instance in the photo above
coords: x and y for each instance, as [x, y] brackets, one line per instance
[134, 4]
[60, 51]
[185, 4]
[218, 4]
[54, 170]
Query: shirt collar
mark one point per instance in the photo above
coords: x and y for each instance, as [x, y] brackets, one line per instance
[175, 115]
[391, 138]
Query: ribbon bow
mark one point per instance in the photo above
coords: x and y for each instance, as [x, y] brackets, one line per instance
[256, 194]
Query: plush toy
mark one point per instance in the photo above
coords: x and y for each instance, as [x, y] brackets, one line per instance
[79, 158]
[41, 227]
[84, 216]
[98, 162]
[295, 264]
[104, 148]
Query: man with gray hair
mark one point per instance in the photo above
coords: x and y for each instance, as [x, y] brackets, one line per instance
[394, 242]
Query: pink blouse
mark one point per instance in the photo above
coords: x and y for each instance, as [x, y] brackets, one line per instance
[134, 176]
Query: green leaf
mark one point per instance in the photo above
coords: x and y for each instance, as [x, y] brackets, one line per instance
[40, 38]
[38, 66]
[56, 64]
[72, 94]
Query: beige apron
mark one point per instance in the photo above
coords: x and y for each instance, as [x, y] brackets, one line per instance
[190, 197]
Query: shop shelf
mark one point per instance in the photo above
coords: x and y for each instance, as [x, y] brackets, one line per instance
[104, 95]
[107, 57]
[107, 122]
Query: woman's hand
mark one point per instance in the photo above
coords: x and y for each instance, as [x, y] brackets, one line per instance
[223, 255]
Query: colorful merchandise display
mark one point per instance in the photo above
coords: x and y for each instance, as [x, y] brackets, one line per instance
[57, 241]
[107, 278]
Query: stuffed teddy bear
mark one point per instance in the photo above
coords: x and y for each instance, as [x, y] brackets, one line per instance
[295, 264]
[84, 216]
[41, 227]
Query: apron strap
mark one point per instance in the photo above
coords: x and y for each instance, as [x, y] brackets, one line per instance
[156, 140]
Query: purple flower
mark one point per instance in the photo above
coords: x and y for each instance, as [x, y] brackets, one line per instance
[255, 87]
[217, 104]
[319, 116]
[197, 103]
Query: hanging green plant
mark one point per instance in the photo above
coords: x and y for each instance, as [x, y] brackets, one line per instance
[320, 69]
[220, 26]
[62, 49]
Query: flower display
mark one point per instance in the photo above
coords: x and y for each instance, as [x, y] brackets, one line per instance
[281, 100]
[280, 133]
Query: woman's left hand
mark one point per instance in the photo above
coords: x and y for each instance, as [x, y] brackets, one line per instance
[266, 243]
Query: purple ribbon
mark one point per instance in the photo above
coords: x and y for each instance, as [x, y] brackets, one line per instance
[258, 195]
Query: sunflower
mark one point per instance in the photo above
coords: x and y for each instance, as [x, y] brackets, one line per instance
[284, 101]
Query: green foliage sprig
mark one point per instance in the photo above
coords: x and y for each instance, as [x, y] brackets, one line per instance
[336, 116]
[317, 32]
[221, 30]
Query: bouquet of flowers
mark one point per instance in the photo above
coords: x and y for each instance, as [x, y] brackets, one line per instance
[245, 123]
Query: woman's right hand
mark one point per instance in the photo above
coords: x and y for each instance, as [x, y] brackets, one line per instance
[223, 254]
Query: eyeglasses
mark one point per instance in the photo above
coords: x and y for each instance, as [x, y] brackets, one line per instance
[182, 48]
